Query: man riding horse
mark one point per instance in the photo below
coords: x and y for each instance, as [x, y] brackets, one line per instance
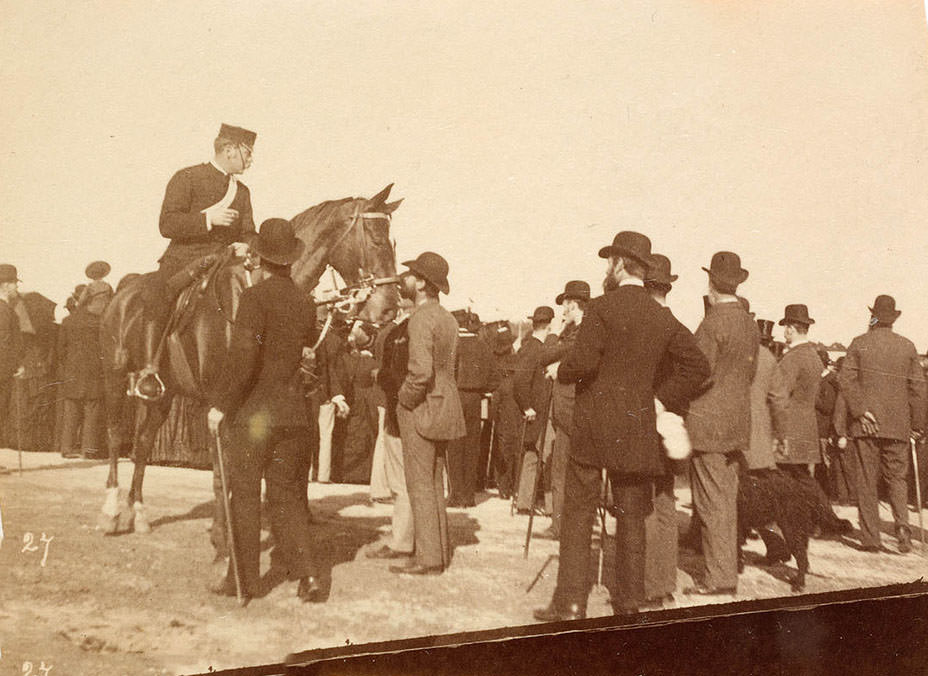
[205, 209]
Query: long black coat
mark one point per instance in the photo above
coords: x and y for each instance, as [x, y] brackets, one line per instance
[11, 344]
[80, 359]
[623, 340]
[263, 386]
[530, 388]
[182, 220]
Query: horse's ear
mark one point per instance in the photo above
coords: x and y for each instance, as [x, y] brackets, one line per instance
[390, 207]
[382, 196]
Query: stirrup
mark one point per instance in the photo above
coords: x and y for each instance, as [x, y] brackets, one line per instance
[146, 385]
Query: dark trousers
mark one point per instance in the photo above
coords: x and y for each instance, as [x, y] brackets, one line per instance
[888, 458]
[86, 415]
[582, 495]
[279, 459]
[423, 464]
[6, 419]
[842, 474]
[661, 543]
[505, 453]
[464, 453]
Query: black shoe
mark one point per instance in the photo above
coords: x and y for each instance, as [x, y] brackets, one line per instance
[385, 552]
[552, 614]
[905, 546]
[309, 590]
[702, 590]
[417, 569]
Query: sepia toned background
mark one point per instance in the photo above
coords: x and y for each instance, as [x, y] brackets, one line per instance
[522, 137]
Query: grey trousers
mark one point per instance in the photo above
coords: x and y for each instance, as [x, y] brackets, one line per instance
[424, 465]
[888, 458]
[660, 569]
[403, 533]
[715, 495]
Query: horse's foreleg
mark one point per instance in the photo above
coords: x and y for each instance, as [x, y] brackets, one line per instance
[115, 403]
[155, 415]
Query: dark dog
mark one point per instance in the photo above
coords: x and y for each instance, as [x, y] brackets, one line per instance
[771, 496]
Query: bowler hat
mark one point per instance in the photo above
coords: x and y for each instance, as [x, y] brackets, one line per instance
[574, 290]
[634, 245]
[659, 270]
[8, 273]
[726, 272]
[97, 270]
[542, 314]
[884, 309]
[765, 326]
[432, 268]
[276, 242]
[238, 135]
[796, 314]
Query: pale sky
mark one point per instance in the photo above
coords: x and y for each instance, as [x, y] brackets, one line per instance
[522, 136]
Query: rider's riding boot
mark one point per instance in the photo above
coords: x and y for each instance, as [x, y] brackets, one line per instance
[148, 385]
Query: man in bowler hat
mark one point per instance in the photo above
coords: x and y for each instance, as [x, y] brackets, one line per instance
[624, 339]
[429, 410]
[11, 345]
[719, 422]
[792, 394]
[883, 387]
[262, 398]
[573, 301]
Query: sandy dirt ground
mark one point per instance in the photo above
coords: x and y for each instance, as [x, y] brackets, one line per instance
[137, 604]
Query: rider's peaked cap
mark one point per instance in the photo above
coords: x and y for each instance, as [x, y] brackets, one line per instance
[276, 242]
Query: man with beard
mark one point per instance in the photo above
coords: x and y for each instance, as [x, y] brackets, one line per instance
[624, 339]
[573, 300]
[429, 411]
[884, 389]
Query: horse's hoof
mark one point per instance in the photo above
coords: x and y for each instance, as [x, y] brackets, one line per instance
[108, 524]
[141, 521]
[126, 520]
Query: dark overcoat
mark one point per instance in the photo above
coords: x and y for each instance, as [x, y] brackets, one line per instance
[80, 358]
[792, 394]
[623, 339]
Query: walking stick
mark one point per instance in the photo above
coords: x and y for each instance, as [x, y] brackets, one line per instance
[230, 532]
[486, 479]
[539, 468]
[602, 526]
[19, 424]
[918, 493]
[518, 476]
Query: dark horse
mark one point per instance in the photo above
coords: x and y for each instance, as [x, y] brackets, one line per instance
[352, 235]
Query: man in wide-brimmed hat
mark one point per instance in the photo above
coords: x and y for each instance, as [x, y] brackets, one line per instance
[573, 300]
[660, 580]
[261, 396]
[792, 394]
[883, 387]
[429, 410]
[533, 396]
[11, 344]
[719, 421]
[624, 339]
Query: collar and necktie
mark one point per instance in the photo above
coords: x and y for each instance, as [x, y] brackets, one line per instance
[226, 200]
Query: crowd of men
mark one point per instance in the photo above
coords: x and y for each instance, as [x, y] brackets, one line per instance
[437, 404]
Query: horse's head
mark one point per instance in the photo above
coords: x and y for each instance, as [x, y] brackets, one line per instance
[353, 236]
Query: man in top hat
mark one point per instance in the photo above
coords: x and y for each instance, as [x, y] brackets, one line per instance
[719, 422]
[504, 411]
[205, 208]
[573, 301]
[476, 375]
[883, 386]
[792, 394]
[11, 345]
[429, 410]
[533, 395]
[262, 398]
[624, 339]
[660, 579]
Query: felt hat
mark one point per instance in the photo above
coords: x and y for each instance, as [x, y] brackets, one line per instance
[659, 271]
[542, 314]
[765, 326]
[630, 244]
[8, 273]
[276, 242]
[574, 290]
[884, 309]
[97, 270]
[432, 268]
[726, 272]
[796, 314]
